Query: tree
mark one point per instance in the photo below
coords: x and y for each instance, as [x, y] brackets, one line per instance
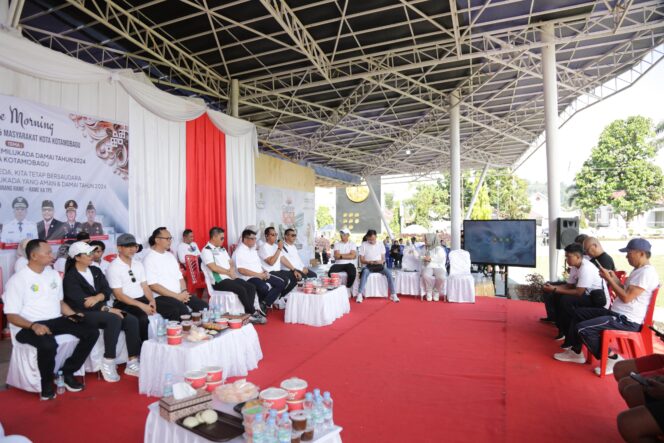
[620, 171]
[430, 203]
[323, 217]
[482, 207]
[395, 222]
[508, 194]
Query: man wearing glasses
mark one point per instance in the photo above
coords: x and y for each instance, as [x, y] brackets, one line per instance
[126, 277]
[165, 278]
[291, 258]
[270, 253]
[220, 272]
[249, 266]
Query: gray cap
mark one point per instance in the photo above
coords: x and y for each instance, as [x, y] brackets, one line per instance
[126, 240]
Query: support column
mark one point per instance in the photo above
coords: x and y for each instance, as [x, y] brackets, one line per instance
[477, 191]
[551, 127]
[455, 169]
[14, 14]
[234, 98]
[376, 200]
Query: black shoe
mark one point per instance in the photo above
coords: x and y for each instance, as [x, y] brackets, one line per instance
[263, 308]
[261, 312]
[73, 385]
[547, 320]
[47, 393]
[560, 336]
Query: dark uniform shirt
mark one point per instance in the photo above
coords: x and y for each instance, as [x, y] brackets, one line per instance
[92, 229]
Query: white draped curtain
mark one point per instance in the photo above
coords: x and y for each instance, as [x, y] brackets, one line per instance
[156, 127]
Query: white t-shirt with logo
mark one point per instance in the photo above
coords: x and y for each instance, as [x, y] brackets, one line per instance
[33, 296]
[344, 248]
[217, 256]
[372, 252]
[291, 254]
[645, 278]
[267, 250]
[119, 278]
[185, 249]
[162, 268]
[248, 259]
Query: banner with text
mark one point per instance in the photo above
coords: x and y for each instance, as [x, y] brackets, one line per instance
[60, 173]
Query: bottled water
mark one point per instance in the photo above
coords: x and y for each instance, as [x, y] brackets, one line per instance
[206, 316]
[60, 383]
[161, 329]
[271, 430]
[317, 420]
[168, 386]
[285, 429]
[328, 407]
[317, 394]
[258, 430]
[308, 405]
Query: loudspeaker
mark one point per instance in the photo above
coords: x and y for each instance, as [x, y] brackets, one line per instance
[567, 229]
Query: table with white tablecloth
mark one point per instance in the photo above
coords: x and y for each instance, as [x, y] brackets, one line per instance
[237, 351]
[317, 309]
[160, 430]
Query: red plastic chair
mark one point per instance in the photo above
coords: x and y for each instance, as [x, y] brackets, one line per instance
[633, 344]
[193, 276]
[110, 257]
[622, 276]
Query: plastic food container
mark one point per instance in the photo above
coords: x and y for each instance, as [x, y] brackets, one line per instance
[299, 419]
[221, 321]
[173, 329]
[274, 398]
[213, 373]
[195, 378]
[295, 405]
[235, 323]
[296, 388]
[174, 339]
[212, 385]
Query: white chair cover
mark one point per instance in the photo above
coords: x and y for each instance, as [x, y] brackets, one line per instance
[227, 301]
[160, 430]
[411, 259]
[93, 362]
[317, 309]
[376, 286]
[236, 351]
[460, 283]
[408, 283]
[23, 372]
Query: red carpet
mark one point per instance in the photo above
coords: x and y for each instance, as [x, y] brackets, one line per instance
[415, 371]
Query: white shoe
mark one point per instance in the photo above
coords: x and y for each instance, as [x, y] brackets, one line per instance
[610, 363]
[358, 298]
[429, 297]
[133, 368]
[436, 297]
[570, 356]
[109, 370]
[394, 298]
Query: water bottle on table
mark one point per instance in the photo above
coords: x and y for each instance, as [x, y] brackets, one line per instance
[308, 405]
[271, 430]
[285, 429]
[258, 430]
[60, 383]
[168, 386]
[328, 406]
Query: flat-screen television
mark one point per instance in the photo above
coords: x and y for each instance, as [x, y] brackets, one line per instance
[501, 242]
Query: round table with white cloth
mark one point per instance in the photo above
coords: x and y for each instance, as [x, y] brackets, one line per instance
[237, 351]
[408, 283]
[317, 309]
[160, 430]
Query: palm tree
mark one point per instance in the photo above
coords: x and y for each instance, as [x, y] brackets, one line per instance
[659, 135]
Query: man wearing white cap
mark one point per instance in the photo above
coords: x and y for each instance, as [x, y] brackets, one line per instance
[627, 311]
[345, 253]
[19, 228]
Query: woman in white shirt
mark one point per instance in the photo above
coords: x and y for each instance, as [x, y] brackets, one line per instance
[372, 257]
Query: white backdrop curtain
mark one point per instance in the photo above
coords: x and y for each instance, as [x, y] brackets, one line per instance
[157, 173]
[240, 186]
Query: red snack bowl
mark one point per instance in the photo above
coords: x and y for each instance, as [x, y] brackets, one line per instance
[174, 339]
[213, 373]
[212, 385]
[295, 405]
[221, 321]
[235, 323]
[274, 398]
[195, 378]
[173, 330]
[296, 388]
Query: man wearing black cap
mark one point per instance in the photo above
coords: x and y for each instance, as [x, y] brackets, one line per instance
[49, 228]
[627, 312]
[19, 228]
[71, 226]
[91, 226]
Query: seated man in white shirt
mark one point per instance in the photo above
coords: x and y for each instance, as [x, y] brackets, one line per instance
[126, 277]
[345, 253]
[97, 255]
[270, 253]
[584, 288]
[434, 273]
[250, 268]
[627, 312]
[188, 246]
[165, 278]
[372, 257]
[290, 258]
[37, 313]
[220, 272]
